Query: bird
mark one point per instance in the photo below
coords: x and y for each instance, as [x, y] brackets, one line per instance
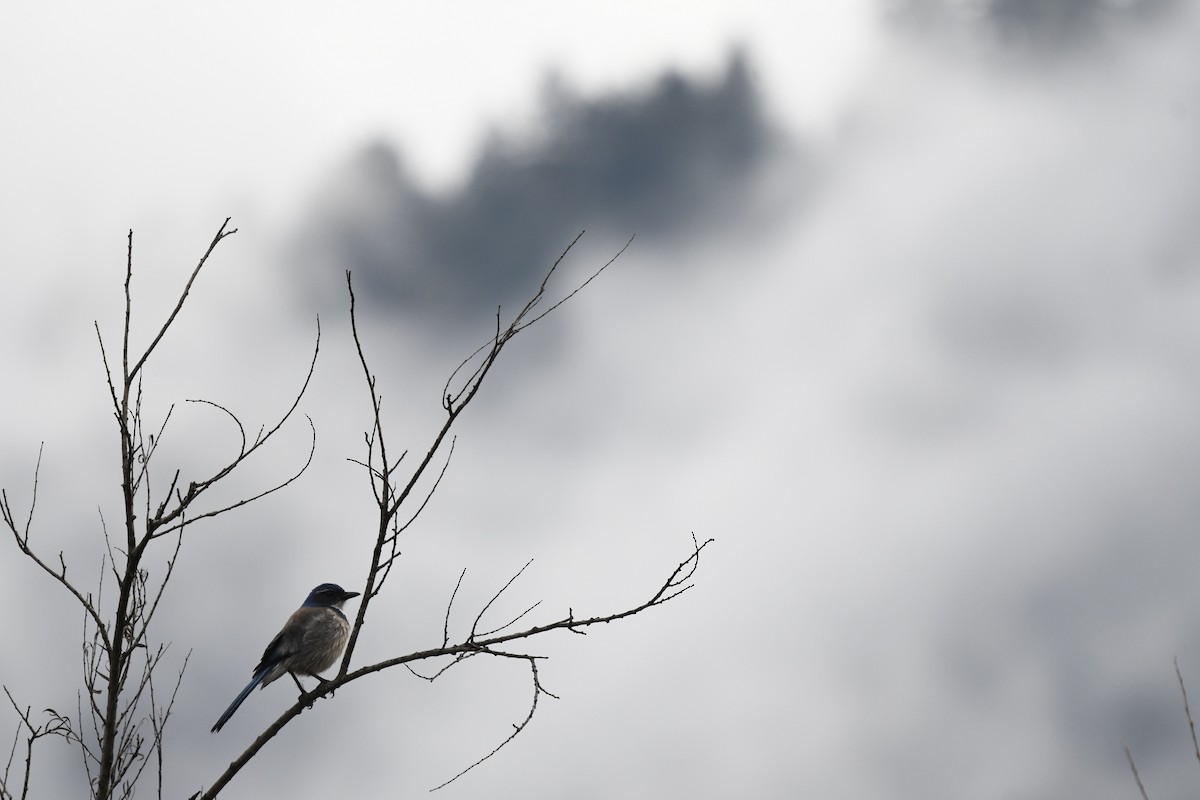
[311, 641]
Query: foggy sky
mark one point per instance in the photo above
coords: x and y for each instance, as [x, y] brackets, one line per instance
[655, 161]
[936, 406]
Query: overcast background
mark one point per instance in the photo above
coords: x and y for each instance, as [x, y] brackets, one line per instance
[910, 326]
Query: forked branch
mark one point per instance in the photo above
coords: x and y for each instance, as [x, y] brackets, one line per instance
[676, 584]
[119, 659]
[392, 489]
[390, 493]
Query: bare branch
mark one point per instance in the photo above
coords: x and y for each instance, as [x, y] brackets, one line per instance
[168, 520]
[120, 659]
[512, 621]
[178, 523]
[1187, 710]
[158, 721]
[518, 324]
[55, 726]
[454, 401]
[671, 588]
[117, 688]
[537, 692]
[495, 597]
[574, 291]
[221, 234]
[112, 389]
[446, 620]
[459, 658]
[6, 509]
[237, 423]
[21, 536]
[1133, 768]
[429, 495]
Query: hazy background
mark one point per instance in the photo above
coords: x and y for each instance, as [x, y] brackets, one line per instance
[911, 327]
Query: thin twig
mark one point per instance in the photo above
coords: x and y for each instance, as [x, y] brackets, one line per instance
[1187, 710]
[21, 536]
[669, 590]
[178, 521]
[221, 234]
[446, 619]
[1136, 776]
[581, 286]
[517, 728]
[391, 495]
[166, 522]
[495, 597]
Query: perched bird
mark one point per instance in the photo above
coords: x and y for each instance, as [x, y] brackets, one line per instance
[310, 642]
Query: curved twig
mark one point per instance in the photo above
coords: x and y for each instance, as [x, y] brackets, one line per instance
[672, 587]
[538, 690]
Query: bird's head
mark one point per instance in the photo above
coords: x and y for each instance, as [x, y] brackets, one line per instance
[328, 595]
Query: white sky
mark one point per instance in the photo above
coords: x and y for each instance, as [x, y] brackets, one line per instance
[940, 420]
[167, 118]
[259, 98]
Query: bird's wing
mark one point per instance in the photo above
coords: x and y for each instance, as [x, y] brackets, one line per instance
[287, 642]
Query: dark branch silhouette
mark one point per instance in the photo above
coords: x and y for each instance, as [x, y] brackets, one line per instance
[125, 705]
[126, 712]
[393, 489]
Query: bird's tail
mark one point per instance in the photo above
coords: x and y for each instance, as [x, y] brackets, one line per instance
[237, 701]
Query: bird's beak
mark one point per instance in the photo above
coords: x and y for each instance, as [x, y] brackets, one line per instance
[348, 595]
